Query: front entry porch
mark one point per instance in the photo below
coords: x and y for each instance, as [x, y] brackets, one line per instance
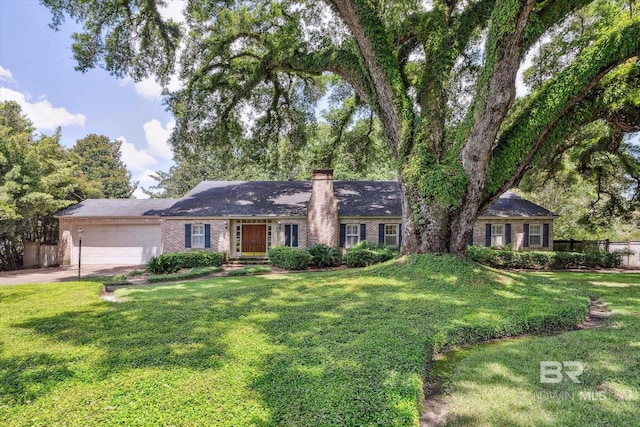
[253, 238]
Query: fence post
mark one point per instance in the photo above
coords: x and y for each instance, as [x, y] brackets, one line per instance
[571, 243]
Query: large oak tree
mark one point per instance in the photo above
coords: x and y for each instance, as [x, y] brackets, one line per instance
[439, 76]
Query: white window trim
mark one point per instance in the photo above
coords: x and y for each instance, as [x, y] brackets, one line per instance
[538, 234]
[355, 234]
[495, 234]
[199, 235]
[394, 234]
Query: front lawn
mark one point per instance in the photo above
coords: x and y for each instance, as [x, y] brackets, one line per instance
[499, 384]
[340, 348]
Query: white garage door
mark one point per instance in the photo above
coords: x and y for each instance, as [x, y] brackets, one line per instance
[118, 244]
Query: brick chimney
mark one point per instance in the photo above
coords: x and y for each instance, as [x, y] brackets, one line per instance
[322, 212]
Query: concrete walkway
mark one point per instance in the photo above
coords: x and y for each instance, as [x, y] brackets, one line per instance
[62, 274]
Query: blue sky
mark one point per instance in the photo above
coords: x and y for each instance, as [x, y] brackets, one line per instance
[37, 71]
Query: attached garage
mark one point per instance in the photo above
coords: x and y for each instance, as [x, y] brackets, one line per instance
[122, 244]
[115, 231]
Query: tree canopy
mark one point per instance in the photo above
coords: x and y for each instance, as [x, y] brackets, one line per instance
[437, 77]
[100, 161]
[39, 177]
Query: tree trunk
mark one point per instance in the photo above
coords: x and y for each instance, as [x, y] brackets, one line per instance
[425, 225]
[429, 227]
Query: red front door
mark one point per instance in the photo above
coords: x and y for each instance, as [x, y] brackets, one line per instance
[254, 240]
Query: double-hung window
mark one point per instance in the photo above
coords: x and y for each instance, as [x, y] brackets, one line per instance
[535, 235]
[352, 235]
[391, 234]
[197, 235]
[497, 235]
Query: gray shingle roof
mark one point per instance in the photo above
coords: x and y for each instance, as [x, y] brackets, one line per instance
[512, 205]
[368, 198]
[118, 208]
[238, 198]
[279, 199]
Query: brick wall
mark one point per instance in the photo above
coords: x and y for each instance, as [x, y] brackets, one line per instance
[303, 232]
[371, 224]
[65, 241]
[517, 232]
[173, 235]
[322, 211]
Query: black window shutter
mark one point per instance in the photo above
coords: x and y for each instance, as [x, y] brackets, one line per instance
[294, 235]
[287, 235]
[187, 235]
[363, 232]
[545, 235]
[525, 229]
[507, 234]
[207, 235]
[487, 235]
[399, 234]
[470, 238]
[343, 233]
[380, 234]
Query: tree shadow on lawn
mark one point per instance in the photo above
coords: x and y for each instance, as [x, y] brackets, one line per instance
[23, 380]
[499, 383]
[343, 349]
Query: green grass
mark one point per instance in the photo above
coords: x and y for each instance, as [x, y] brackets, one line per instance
[340, 348]
[191, 274]
[499, 384]
[248, 271]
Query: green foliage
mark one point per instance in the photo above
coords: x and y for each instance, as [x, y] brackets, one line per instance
[37, 179]
[338, 348]
[175, 261]
[479, 380]
[100, 161]
[324, 256]
[366, 253]
[191, 274]
[117, 280]
[289, 258]
[250, 271]
[544, 260]
[435, 80]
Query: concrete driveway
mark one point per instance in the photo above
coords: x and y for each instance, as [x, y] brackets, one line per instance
[62, 274]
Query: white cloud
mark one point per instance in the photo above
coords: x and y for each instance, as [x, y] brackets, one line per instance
[42, 113]
[5, 75]
[148, 88]
[158, 138]
[145, 180]
[136, 160]
[174, 9]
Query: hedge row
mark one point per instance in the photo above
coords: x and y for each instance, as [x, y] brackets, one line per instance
[361, 255]
[289, 258]
[365, 253]
[541, 260]
[175, 261]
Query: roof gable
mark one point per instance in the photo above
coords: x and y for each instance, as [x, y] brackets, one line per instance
[511, 205]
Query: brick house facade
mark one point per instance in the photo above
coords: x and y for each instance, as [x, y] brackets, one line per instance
[244, 219]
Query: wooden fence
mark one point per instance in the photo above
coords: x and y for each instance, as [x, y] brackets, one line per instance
[38, 254]
[629, 260]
